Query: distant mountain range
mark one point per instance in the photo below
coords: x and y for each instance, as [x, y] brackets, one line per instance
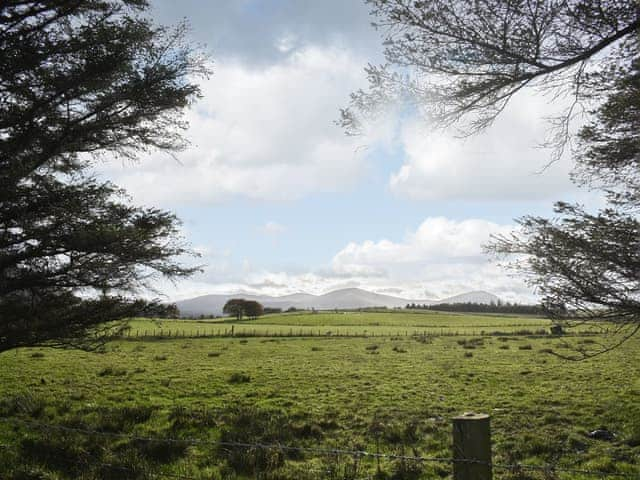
[347, 298]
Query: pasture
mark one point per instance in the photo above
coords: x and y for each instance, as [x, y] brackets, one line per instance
[348, 323]
[199, 408]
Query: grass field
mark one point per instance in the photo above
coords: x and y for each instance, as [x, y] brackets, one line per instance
[345, 323]
[385, 393]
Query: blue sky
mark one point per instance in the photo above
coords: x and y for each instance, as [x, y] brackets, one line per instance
[278, 199]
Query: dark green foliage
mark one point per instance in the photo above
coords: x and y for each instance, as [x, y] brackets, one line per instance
[77, 80]
[239, 307]
[234, 307]
[470, 307]
[253, 309]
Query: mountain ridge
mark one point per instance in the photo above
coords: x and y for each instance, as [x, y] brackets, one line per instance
[347, 298]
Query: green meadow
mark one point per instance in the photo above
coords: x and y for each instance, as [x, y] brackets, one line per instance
[175, 407]
[348, 323]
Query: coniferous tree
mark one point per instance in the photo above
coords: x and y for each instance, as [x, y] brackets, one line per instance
[80, 79]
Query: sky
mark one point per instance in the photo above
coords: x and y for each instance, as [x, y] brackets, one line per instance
[277, 199]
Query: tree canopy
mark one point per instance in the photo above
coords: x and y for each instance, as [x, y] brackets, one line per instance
[460, 63]
[79, 80]
[239, 307]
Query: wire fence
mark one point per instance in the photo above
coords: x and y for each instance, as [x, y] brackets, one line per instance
[167, 334]
[548, 471]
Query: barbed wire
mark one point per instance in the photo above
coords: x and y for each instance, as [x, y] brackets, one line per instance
[358, 454]
[226, 443]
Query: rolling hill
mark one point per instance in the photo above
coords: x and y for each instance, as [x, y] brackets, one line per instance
[346, 298]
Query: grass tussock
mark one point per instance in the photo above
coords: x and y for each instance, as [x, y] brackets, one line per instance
[239, 377]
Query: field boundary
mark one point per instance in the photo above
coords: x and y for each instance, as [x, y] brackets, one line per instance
[166, 334]
[549, 470]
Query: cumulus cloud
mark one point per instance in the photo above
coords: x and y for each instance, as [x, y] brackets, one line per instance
[262, 133]
[436, 240]
[442, 257]
[502, 163]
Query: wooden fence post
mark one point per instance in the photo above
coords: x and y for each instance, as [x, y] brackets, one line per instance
[472, 447]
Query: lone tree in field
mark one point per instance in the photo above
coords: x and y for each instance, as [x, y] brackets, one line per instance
[80, 79]
[253, 309]
[460, 62]
[234, 307]
[239, 307]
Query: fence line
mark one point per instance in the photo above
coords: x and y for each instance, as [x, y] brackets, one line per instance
[310, 333]
[357, 454]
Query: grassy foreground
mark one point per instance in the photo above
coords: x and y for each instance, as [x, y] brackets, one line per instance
[391, 394]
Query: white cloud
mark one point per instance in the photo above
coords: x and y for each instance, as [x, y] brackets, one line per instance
[263, 133]
[502, 163]
[442, 257]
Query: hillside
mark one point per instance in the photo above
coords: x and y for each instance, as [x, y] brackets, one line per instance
[346, 298]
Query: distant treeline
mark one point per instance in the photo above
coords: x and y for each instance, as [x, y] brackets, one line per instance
[499, 307]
